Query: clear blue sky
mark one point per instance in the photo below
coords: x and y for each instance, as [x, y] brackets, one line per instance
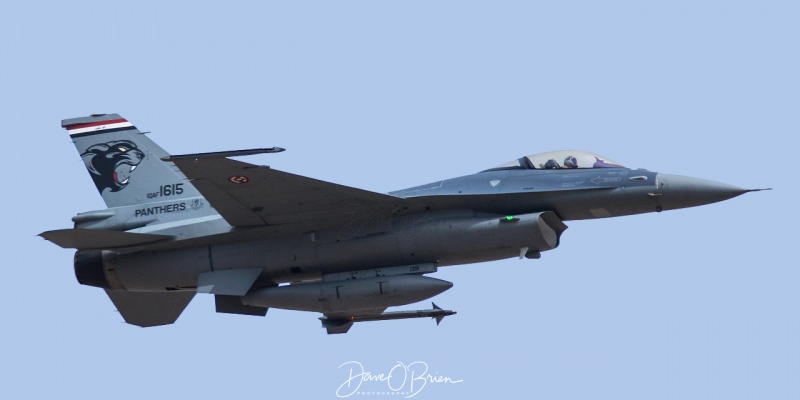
[689, 304]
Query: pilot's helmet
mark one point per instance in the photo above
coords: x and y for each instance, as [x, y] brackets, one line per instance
[551, 164]
[570, 162]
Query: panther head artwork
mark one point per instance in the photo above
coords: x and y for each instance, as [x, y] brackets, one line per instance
[111, 164]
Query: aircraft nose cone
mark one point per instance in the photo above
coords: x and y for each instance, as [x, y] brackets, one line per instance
[682, 191]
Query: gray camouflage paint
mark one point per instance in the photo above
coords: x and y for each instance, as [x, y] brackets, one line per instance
[491, 215]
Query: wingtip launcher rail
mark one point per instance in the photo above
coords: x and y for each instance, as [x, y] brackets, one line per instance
[224, 154]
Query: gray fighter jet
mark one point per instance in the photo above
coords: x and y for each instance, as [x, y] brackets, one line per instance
[256, 237]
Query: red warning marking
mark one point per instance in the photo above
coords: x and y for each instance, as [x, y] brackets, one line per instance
[238, 179]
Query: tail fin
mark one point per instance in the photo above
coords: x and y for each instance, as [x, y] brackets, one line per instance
[125, 164]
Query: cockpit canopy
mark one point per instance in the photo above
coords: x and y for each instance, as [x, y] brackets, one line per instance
[561, 159]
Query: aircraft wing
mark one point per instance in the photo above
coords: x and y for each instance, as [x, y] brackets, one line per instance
[250, 195]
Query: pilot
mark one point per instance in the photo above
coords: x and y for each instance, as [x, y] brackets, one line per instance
[570, 162]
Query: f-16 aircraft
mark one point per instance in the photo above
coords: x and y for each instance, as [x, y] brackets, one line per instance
[259, 238]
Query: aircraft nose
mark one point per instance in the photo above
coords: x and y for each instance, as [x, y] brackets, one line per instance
[682, 191]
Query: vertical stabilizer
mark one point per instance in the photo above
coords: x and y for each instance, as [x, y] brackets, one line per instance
[124, 163]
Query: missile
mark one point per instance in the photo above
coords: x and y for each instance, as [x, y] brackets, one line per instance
[342, 324]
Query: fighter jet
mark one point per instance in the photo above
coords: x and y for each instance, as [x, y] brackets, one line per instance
[259, 238]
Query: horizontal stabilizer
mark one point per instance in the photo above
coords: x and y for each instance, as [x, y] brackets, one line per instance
[88, 239]
[150, 308]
